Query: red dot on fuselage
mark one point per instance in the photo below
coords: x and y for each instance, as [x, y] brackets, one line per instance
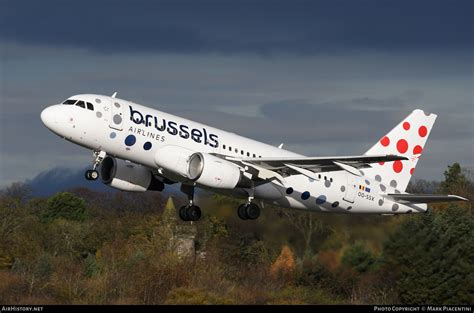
[381, 163]
[417, 150]
[411, 171]
[385, 141]
[397, 166]
[406, 126]
[402, 146]
[422, 131]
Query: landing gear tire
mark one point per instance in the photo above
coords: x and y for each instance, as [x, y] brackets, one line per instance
[91, 175]
[190, 213]
[182, 213]
[241, 212]
[252, 211]
[249, 211]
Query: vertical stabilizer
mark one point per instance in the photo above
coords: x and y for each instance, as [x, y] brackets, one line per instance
[408, 139]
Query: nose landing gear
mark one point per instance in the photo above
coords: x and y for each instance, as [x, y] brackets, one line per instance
[93, 174]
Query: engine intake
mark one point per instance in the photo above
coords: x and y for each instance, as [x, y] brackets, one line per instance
[128, 176]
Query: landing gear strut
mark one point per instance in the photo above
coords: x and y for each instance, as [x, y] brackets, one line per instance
[93, 174]
[189, 212]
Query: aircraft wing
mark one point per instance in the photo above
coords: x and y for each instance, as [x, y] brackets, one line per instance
[423, 198]
[278, 167]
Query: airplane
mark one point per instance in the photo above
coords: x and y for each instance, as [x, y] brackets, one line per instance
[138, 148]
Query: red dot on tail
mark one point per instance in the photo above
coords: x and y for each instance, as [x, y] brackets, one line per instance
[406, 126]
[422, 131]
[417, 150]
[397, 166]
[385, 141]
[411, 171]
[402, 146]
[381, 163]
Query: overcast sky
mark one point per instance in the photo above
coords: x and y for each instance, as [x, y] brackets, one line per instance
[324, 77]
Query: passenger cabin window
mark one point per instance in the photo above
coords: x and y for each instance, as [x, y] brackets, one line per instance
[90, 106]
[248, 154]
[223, 147]
[230, 148]
[81, 104]
[242, 152]
[69, 101]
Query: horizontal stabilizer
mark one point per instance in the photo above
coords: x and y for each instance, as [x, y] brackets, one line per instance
[423, 198]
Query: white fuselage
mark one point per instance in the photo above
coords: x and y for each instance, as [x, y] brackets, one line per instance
[134, 132]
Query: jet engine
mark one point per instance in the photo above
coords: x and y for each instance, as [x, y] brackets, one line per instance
[128, 176]
[214, 172]
[202, 168]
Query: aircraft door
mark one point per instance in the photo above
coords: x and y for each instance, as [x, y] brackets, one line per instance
[350, 188]
[116, 115]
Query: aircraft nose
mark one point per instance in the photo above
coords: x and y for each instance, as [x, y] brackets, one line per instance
[48, 116]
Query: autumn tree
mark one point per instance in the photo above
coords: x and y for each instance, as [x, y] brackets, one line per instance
[284, 266]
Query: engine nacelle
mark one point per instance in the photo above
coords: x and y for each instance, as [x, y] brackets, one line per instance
[214, 172]
[128, 176]
[202, 168]
[173, 159]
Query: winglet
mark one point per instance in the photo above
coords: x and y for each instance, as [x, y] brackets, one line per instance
[114, 95]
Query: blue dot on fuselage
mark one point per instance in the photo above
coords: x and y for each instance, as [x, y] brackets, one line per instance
[130, 140]
[305, 195]
[147, 145]
[113, 135]
[321, 199]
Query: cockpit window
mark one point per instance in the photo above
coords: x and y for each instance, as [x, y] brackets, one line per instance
[70, 101]
[90, 106]
[81, 104]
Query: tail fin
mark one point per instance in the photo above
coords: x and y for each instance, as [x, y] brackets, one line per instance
[408, 139]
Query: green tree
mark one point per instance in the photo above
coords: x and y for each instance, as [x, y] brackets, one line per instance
[65, 205]
[358, 257]
[433, 258]
[454, 180]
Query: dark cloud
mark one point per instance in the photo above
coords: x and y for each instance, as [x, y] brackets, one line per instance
[239, 26]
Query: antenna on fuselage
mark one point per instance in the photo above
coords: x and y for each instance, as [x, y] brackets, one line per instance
[280, 146]
[114, 95]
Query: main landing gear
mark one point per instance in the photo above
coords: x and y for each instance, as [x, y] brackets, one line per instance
[248, 211]
[93, 174]
[189, 212]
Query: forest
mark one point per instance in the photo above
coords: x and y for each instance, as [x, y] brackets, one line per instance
[85, 247]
